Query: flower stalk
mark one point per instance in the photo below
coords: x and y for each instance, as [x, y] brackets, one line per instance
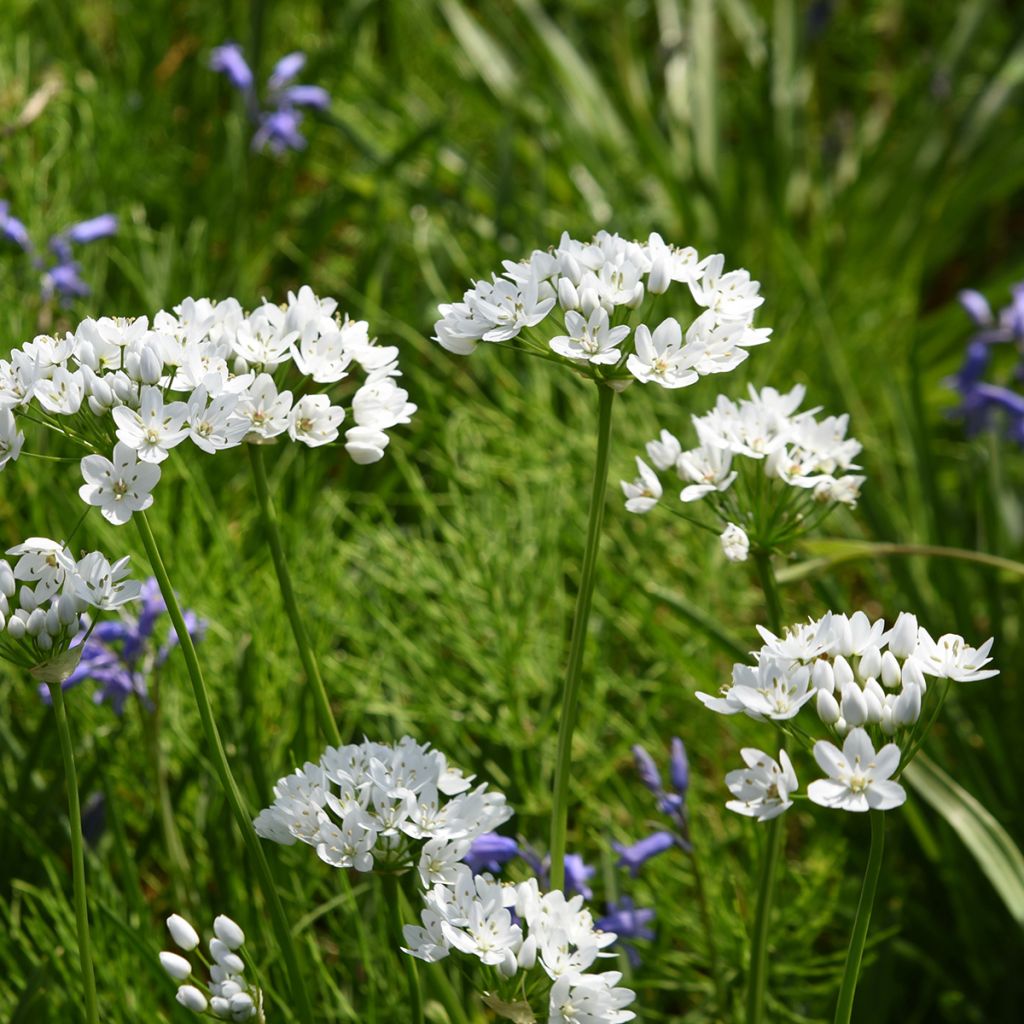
[77, 855]
[855, 953]
[309, 663]
[577, 643]
[393, 899]
[231, 791]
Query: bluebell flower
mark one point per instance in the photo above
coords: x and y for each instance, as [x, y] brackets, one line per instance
[671, 803]
[279, 121]
[634, 857]
[120, 654]
[12, 229]
[629, 922]
[490, 852]
[577, 875]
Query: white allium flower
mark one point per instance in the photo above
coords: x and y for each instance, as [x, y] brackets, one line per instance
[184, 935]
[98, 583]
[590, 339]
[11, 438]
[735, 543]
[662, 357]
[710, 470]
[859, 779]
[121, 487]
[645, 492]
[951, 657]
[590, 999]
[212, 424]
[61, 394]
[314, 421]
[265, 412]
[665, 451]
[154, 428]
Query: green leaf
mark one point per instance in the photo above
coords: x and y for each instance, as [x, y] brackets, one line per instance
[996, 853]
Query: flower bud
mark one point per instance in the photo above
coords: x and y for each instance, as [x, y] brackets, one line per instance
[843, 672]
[822, 676]
[907, 708]
[36, 622]
[44, 641]
[635, 301]
[16, 626]
[53, 623]
[903, 635]
[827, 707]
[589, 301]
[228, 932]
[223, 955]
[890, 674]
[679, 766]
[184, 935]
[122, 387]
[888, 725]
[85, 353]
[854, 707]
[912, 675]
[571, 267]
[528, 953]
[841, 727]
[240, 367]
[874, 706]
[67, 609]
[8, 585]
[871, 686]
[191, 998]
[507, 967]
[659, 279]
[870, 664]
[568, 297]
[230, 988]
[95, 407]
[132, 361]
[27, 599]
[843, 635]
[151, 366]
[220, 1007]
[176, 966]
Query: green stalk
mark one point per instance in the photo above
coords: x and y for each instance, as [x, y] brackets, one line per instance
[77, 855]
[291, 606]
[243, 819]
[581, 616]
[757, 981]
[855, 953]
[393, 898]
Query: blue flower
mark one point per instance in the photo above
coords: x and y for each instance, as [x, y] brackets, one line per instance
[635, 856]
[490, 852]
[628, 922]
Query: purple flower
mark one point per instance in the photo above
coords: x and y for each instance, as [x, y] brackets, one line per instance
[976, 306]
[313, 96]
[228, 60]
[679, 767]
[628, 922]
[647, 769]
[90, 230]
[13, 230]
[64, 279]
[286, 69]
[279, 131]
[634, 857]
[577, 874]
[490, 852]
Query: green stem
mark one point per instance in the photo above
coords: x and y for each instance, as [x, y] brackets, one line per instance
[77, 855]
[581, 616]
[393, 898]
[855, 953]
[220, 761]
[757, 981]
[291, 605]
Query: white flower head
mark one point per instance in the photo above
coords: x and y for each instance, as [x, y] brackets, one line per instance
[735, 543]
[858, 778]
[762, 789]
[314, 421]
[590, 339]
[118, 487]
[154, 428]
[644, 492]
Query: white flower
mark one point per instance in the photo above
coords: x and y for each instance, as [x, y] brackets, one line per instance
[176, 966]
[365, 444]
[102, 585]
[590, 999]
[661, 357]
[324, 357]
[211, 421]
[590, 339]
[381, 404]
[314, 421]
[771, 689]
[61, 394]
[120, 487]
[154, 428]
[859, 779]
[951, 657]
[266, 413]
[710, 470]
[735, 543]
[665, 451]
[192, 999]
[643, 494]
[762, 789]
[228, 932]
[347, 846]
[44, 562]
[184, 935]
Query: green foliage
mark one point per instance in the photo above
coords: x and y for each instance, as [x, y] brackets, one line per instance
[863, 168]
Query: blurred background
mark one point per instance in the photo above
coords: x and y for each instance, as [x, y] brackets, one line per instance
[864, 161]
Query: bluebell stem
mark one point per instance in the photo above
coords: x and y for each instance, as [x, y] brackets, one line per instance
[628, 922]
[279, 120]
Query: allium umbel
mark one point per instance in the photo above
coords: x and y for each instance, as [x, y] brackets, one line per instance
[592, 306]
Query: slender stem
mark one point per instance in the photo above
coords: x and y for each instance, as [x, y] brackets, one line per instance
[291, 605]
[393, 898]
[855, 953]
[77, 854]
[581, 616]
[243, 819]
[757, 982]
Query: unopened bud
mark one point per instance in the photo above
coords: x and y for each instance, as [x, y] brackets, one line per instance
[184, 935]
[903, 635]
[870, 663]
[659, 279]
[844, 674]
[827, 707]
[907, 708]
[568, 297]
[890, 673]
[151, 366]
[176, 966]
[822, 676]
[228, 932]
[854, 707]
[191, 998]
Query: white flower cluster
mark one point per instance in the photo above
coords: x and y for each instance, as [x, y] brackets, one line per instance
[208, 373]
[600, 291]
[399, 806]
[228, 996]
[865, 683]
[44, 598]
[516, 929]
[792, 448]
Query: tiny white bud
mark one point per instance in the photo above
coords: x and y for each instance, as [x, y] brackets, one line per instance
[844, 636]
[912, 675]
[874, 707]
[527, 957]
[571, 268]
[635, 301]
[53, 623]
[151, 366]
[16, 626]
[95, 406]
[822, 676]
[67, 609]
[85, 353]
[230, 988]
[827, 707]
[228, 932]
[176, 966]
[903, 635]
[870, 664]
[220, 1007]
[132, 364]
[843, 672]
[659, 279]
[191, 998]
[240, 366]
[842, 727]
[890, 673]
[242, 1007]
[27, 599]
[568, 297]
[36, 622]
[44, 641]
[854, 707]
[184, 935]
[123, 388]
[888, 725]
[8, 585]
[223, 955]
[907, 708]
[871, 686]
[589, 301]
[507, 967]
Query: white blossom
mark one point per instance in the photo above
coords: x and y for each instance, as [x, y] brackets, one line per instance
[858, 778]
[121, 487]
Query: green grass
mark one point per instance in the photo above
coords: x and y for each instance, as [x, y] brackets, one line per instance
[863, 174]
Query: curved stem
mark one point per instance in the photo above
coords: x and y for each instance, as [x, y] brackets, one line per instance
[855, 953]
[77, 855]
[291, 605]
[220, 761]
[581, 616]
[758, 977]
[393, 898]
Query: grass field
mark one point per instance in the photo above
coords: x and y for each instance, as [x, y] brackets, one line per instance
[864, 162]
